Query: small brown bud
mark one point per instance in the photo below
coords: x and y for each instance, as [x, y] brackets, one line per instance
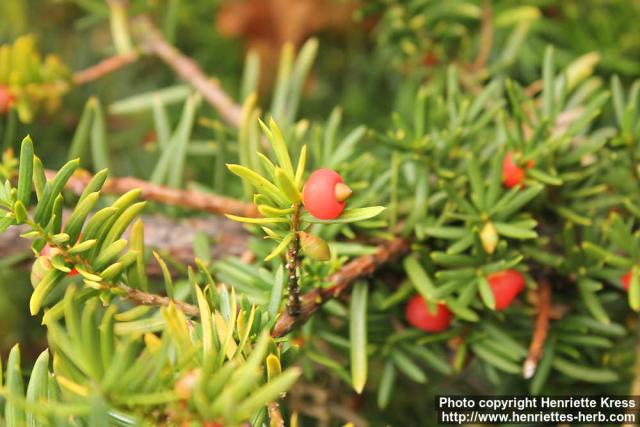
[314, 247]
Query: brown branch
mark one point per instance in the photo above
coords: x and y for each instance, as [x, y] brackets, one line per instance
[293, 266]
[144, 298]
[486, 37]
[104, 67]
[274, 415]
[540, 330]
[340, 281]
[154, 43]
[533, 89]
[169, 196]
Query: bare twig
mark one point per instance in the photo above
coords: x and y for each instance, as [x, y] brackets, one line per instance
[486, 36]
[340, 281]
[540, 331]
[169, 196]
[533, 89]
[154, 43]
[274, 415]
[144, 298]
[104, 67]
[293, 265]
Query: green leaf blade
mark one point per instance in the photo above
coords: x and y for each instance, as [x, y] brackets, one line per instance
[358, 336]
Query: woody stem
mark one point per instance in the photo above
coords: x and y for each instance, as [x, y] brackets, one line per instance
[293, 266]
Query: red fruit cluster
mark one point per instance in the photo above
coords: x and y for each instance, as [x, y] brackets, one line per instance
[47, 250]
[419, 316]
[506, 285]
[512, 174]
[626, 281]
[324, 194]
[6, 99]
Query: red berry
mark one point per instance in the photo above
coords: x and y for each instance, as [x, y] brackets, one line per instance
[512, 174]
[626, 281]
[506, 285]
[419, 315]
[6, 99]
[47, 250]
[324, 194]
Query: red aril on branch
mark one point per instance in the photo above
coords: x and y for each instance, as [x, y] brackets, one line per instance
[420, 317]
[46, 251]
[506, 285]
[324, 194]
[512, 174]
[6, 99]
[626, 281]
